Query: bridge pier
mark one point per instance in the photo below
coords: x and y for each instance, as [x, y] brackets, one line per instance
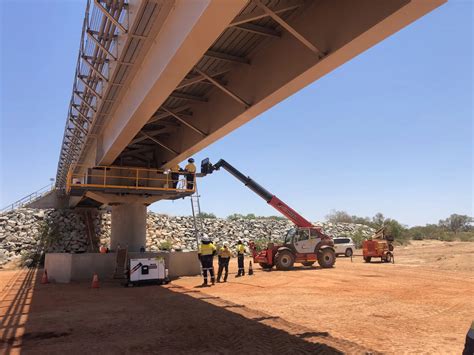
[128, 226]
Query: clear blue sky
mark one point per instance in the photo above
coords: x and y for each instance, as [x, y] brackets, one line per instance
[390, 131]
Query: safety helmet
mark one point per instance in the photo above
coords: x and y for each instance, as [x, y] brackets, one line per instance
[226, 244]
[190, 160]
[205, 238]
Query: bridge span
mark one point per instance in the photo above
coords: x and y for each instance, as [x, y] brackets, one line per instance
[157, 81]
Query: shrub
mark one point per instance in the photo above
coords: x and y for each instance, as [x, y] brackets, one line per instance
[207, 215]
[166, 245]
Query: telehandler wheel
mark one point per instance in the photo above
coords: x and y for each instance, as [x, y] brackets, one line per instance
[326, 258]
[307, 263]
[284, 260]
[367, 259]
[265, 266]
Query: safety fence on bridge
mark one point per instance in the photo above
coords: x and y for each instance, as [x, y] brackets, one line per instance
[25, 201]
[129, 178]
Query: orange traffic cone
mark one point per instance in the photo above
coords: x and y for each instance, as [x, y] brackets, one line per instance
[250, 268]
[44, 279]
[95, 281]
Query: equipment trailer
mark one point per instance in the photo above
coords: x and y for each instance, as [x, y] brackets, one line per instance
[304, 244]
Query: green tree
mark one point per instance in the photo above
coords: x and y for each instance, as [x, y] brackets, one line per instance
[456, 223]
[378, 220]
[207, 215]
[338, 217]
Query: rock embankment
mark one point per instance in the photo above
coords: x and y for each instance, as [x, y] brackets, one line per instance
[24, 232]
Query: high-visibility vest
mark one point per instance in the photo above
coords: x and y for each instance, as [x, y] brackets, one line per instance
[191, 168]
[224, 253]
[240, 249]
[207, 249]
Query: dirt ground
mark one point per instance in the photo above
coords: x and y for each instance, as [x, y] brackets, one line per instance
[422, 304]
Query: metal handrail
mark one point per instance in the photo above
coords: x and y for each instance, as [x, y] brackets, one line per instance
[134, 181]
[29, 198]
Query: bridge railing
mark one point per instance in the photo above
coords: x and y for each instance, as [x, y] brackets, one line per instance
[129, 178]
[29, 198]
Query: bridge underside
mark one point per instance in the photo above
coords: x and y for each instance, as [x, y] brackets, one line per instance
[157, 81]
[186, 97]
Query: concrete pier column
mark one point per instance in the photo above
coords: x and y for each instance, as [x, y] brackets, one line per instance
[128, 226]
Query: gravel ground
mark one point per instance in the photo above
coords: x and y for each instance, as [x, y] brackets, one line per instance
[421, 304]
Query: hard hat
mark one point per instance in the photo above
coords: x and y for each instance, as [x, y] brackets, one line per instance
[226, 244]
[190, 160]
[205, 238]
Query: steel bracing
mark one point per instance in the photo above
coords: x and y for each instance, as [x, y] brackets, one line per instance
[103, 66]
[98, 49]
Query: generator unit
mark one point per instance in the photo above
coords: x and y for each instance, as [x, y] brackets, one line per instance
[147, 271]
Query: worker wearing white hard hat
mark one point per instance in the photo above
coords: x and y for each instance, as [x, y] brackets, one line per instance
[206, 253]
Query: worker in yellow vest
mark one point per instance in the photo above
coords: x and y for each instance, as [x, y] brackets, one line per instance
[190, 168]
[223, 258]
[175, 169]
[240, 258]
[206, 253]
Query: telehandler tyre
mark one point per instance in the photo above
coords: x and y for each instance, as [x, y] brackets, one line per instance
[326, 258]
[265, 266]
[284, 260]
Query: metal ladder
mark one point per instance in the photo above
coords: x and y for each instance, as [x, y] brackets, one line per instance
[197, 216]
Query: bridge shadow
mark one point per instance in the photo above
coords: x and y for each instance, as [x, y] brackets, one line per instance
[62, 318]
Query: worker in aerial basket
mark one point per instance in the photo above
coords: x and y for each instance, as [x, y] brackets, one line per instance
[240, 258]
[175, 170]
[206, 253]
[190, 169]
[224, 258]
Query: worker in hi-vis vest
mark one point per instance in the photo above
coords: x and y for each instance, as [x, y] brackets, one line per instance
[175, 169]
[190, 168]
[206, 253]
[240, 258]
[223, 255]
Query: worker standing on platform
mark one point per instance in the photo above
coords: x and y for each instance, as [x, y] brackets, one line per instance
[224, 258]
[191, 170]
[240, 258]
[206, 253]
[175, 169]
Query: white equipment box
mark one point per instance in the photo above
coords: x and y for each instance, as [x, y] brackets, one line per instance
[148, 271]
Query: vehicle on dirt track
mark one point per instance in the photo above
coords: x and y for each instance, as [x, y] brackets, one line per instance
[303, 244]
[380, 245]
[344, 246]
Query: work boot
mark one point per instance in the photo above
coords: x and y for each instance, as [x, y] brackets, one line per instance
[213, 282]
[204, 284]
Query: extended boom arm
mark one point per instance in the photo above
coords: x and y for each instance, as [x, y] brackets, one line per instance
[272, 200]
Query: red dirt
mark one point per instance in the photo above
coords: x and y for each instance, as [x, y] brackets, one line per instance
[417, 305]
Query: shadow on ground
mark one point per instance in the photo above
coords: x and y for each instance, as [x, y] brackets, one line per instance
[60, 318]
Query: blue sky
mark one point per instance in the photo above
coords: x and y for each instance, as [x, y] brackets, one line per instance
[390, 131]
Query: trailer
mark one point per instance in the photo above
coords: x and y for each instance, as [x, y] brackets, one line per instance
[380, 245]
